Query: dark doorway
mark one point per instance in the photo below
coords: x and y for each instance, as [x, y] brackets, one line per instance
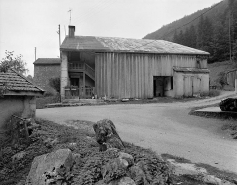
[158, 84]
[75, 82]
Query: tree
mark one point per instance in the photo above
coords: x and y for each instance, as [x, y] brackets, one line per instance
[30, 78]
[55, 83]
[175, 38]
[11, 61]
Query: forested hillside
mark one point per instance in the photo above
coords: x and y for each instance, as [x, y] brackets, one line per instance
[215, 31]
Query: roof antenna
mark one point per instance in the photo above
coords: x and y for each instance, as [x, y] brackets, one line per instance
[70, 10]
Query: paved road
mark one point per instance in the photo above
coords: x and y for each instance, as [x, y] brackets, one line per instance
[166, 128]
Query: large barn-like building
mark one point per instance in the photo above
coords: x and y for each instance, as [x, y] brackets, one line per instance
[130, 68]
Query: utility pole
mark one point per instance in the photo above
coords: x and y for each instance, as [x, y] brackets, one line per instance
[35, 53]
[70, 10]
[59, 36]
[230, 35]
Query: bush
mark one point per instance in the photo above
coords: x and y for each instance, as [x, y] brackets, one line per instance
[212, 93]
[222, 79]
[42, 102]
[48, 93]
[55, 83]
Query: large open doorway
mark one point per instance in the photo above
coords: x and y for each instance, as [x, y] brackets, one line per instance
[158, 82]
[162, 85]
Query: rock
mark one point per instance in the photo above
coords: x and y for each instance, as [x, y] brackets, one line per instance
[76, 158]
[18, 156]
[137, 174]
[92, 141]
[115, 150]
[211, 179]
[101, 182]
[52, 167]
[113, 169]
[127, 157]
[123, 181]
[50, 142]
[106, 135]
[72, 144]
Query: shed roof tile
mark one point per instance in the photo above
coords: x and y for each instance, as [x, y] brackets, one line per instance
[14, 81]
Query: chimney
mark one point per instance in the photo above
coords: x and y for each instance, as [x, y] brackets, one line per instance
[71, 31]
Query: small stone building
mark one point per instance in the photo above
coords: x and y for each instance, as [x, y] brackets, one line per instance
[44, 69]
[17, 96]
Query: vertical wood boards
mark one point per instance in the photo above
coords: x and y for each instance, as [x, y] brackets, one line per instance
[231, 76]
[130, 75]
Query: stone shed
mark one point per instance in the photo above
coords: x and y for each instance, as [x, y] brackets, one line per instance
[45, 69]
[17, 96]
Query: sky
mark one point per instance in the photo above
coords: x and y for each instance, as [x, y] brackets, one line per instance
[26, 24]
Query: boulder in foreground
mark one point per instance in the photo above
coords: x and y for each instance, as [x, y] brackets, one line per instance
[50, 168]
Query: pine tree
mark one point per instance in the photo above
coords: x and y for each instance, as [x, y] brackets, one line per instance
[175, 38]
[200, 33]
[193, 37]
[181, 37]
[220, 40]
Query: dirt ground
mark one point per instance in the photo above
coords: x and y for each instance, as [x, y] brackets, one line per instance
[163, 127]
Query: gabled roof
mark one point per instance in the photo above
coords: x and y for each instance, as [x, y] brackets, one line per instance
[113, 44]
[15, 82]
[47, 61]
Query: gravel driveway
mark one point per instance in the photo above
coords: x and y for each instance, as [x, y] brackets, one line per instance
[166, 128]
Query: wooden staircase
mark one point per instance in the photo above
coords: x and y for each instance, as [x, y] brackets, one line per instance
[82, 67]
[89, 71]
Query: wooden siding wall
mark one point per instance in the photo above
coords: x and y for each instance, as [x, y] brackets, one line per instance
[130, 75]
[231, 76]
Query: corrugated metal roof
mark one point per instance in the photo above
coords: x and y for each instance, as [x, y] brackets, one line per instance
[190, 70]
[16, 82]
[48, 61]
[113, 44]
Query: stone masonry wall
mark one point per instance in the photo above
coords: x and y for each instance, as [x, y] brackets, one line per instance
[42, 74]
[23, 106]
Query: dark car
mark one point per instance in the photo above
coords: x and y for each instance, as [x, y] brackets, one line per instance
[229, 104]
